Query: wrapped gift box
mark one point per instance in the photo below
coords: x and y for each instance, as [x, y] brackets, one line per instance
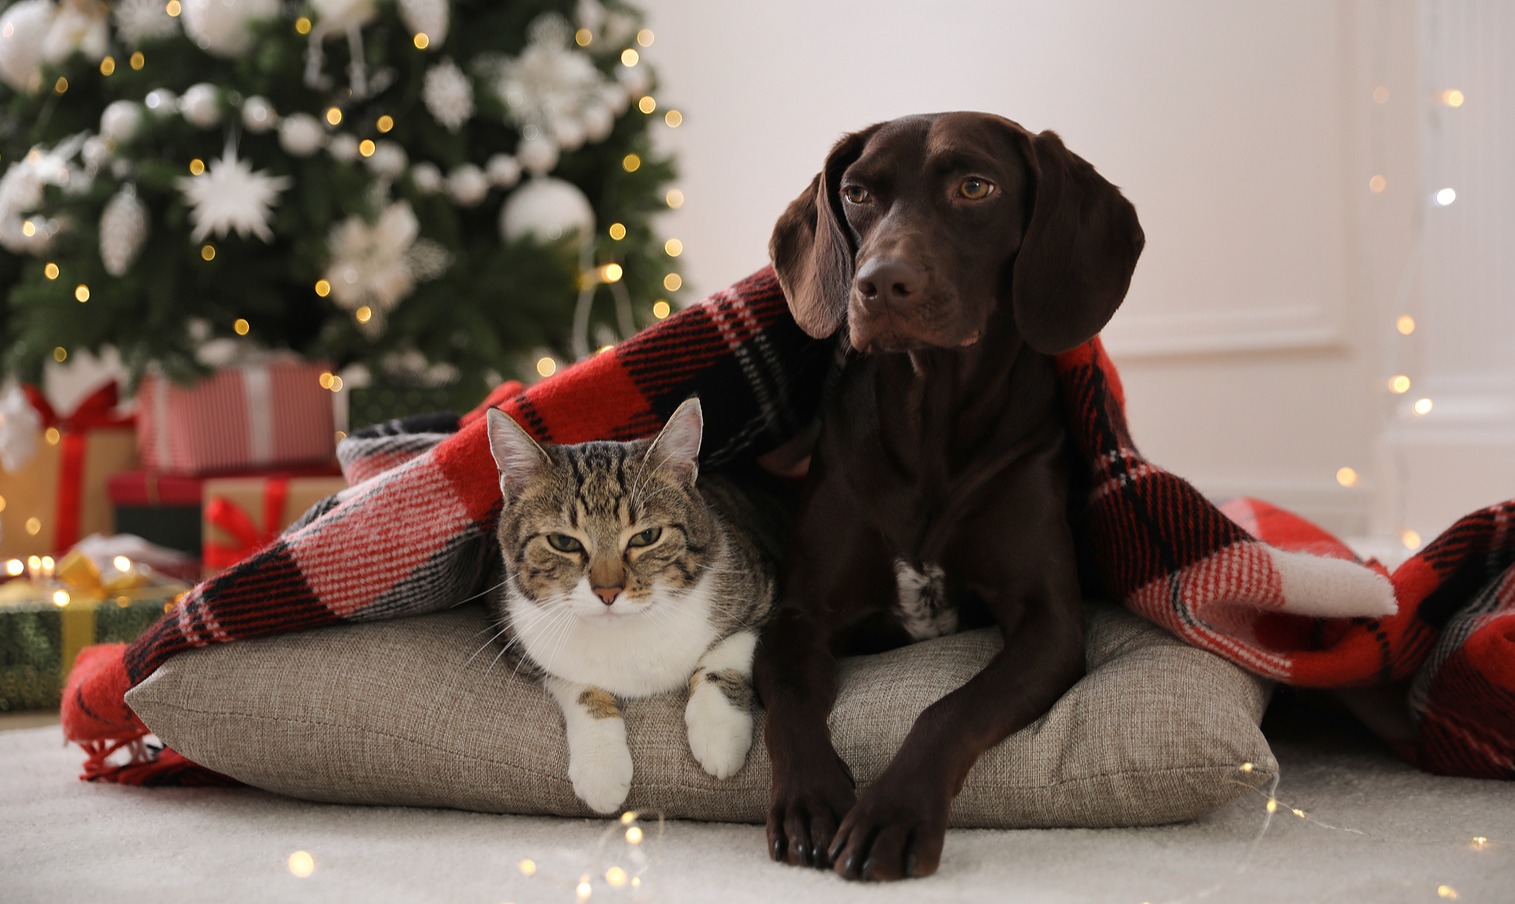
[248, 417]
[59, 495]
[167, 509]
[243, 514]
[42, 631]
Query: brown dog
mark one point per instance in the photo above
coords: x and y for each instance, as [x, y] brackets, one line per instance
[954, 253]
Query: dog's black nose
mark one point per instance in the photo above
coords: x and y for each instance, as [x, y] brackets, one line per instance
[890, 280]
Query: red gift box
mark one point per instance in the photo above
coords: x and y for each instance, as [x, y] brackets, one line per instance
[252, 416]
[244, 514]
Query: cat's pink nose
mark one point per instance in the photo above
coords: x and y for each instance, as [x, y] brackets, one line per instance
[607, 595]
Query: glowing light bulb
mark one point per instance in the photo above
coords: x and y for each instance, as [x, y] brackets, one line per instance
[1381, 94]
[421, 41]
[673, 247]
[634, 835]
[675, 198]
[1246, 767]
[629, 57]
[137, 61]
[81, 293]
[584, 889]
[617, 231]
[1446, 891]
[333, 116]
[527, 867]
[50, 271]
[1480, 842]
[303, 25]
[301, 864]
[1405, 324]
[207, 252]
[1423, 407]
[196, 166]
[611, 273]
[241, 327]
[1444, 197]
[1377, 184]
[672, 282]
[324, 379]
[1453, 97]
[616, 877]
[546, 366]
[1410, 539]
[674, 119]
[647, 104]
[61, 598]
[629, 817]
[1347, 477]
[366, 147]
[173, 8]
[108, 66]
[1272, 805]
[60, 354]
[1399, 384]
[385, 123]
[631, 163]
[661, 309]
[323, 288]
[53, 436]
[583, 37]
[15, 567]
[363, 314]
[644, 37]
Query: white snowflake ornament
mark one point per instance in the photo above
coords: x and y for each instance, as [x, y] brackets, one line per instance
[123, 231]
[230, 196]
[377, 265]
[139, 21]
[448, 95]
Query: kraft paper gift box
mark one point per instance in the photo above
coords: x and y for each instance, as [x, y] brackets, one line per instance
[244, 417]
[59, 495]
[244, 514]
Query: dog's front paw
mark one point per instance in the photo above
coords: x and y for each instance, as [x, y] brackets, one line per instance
[601, 774]
[808, 802]
[720, 731]
[896, 831]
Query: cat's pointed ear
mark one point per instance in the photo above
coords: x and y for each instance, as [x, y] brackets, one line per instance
[516, 454]
[676, 451]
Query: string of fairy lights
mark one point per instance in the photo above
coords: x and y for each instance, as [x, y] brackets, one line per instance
[1403, 356]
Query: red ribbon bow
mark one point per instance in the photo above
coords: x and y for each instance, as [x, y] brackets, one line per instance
[238, 524]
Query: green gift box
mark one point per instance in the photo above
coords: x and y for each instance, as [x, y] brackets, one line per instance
[41, 633]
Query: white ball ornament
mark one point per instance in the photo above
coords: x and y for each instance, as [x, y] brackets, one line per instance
[634, 79]
[221, 27]
[538, 154]
[426, 177]
[467, 185]
[502, 170]
[546, 209]
[201, 106]
[258, 114]
[161, 102]
[568, 133]
[22, 30]
[598, 121]
[388, 160]
[301, 134]
[120, 121]
[343, 148]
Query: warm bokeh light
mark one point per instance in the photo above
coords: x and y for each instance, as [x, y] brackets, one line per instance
[1347, 477]
[1399, 384]
[1405, 324]
[1453, 97]
[617, 231]
[241, 327]
[661, 309]
[1423, 406]
[1377, 184]
[301, 864]
[546, 366]
[81, 293]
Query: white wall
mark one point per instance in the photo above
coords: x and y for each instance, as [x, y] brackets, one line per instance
[1253, 342]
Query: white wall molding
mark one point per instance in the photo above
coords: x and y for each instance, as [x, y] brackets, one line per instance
[1142, 335]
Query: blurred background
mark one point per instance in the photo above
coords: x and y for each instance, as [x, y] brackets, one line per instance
[1324, 315]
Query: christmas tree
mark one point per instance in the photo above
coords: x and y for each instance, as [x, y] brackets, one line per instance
[423, 187]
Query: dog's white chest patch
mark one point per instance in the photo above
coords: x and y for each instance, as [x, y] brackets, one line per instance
[924, 609]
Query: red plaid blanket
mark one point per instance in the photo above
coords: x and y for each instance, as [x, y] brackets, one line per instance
[1243, 580]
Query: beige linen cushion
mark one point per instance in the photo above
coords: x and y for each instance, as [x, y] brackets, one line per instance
[417, 712]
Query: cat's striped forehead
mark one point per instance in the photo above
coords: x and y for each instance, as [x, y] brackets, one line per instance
[611, 479]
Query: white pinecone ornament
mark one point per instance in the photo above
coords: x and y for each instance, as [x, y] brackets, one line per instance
[123, 231]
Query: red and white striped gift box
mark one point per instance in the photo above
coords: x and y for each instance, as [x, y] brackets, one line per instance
[274, 414]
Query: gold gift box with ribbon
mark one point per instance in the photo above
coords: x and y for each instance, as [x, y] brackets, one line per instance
[49, 612]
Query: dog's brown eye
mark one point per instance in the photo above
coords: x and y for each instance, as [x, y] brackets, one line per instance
[975, 189]
[855, 193]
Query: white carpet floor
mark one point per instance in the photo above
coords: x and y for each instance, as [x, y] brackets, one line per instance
[1375, 831]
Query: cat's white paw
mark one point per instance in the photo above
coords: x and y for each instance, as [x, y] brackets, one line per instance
[601, 774]
[719, 732]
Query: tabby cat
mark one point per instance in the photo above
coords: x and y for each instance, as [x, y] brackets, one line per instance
[626, 578]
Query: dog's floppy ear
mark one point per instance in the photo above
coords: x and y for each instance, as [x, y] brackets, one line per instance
[1079, 251]
[811, 249]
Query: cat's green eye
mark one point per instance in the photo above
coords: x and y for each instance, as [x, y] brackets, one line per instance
[564, 543]
[646, 537]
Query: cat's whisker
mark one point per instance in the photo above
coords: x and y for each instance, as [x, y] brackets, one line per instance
[486, 591]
